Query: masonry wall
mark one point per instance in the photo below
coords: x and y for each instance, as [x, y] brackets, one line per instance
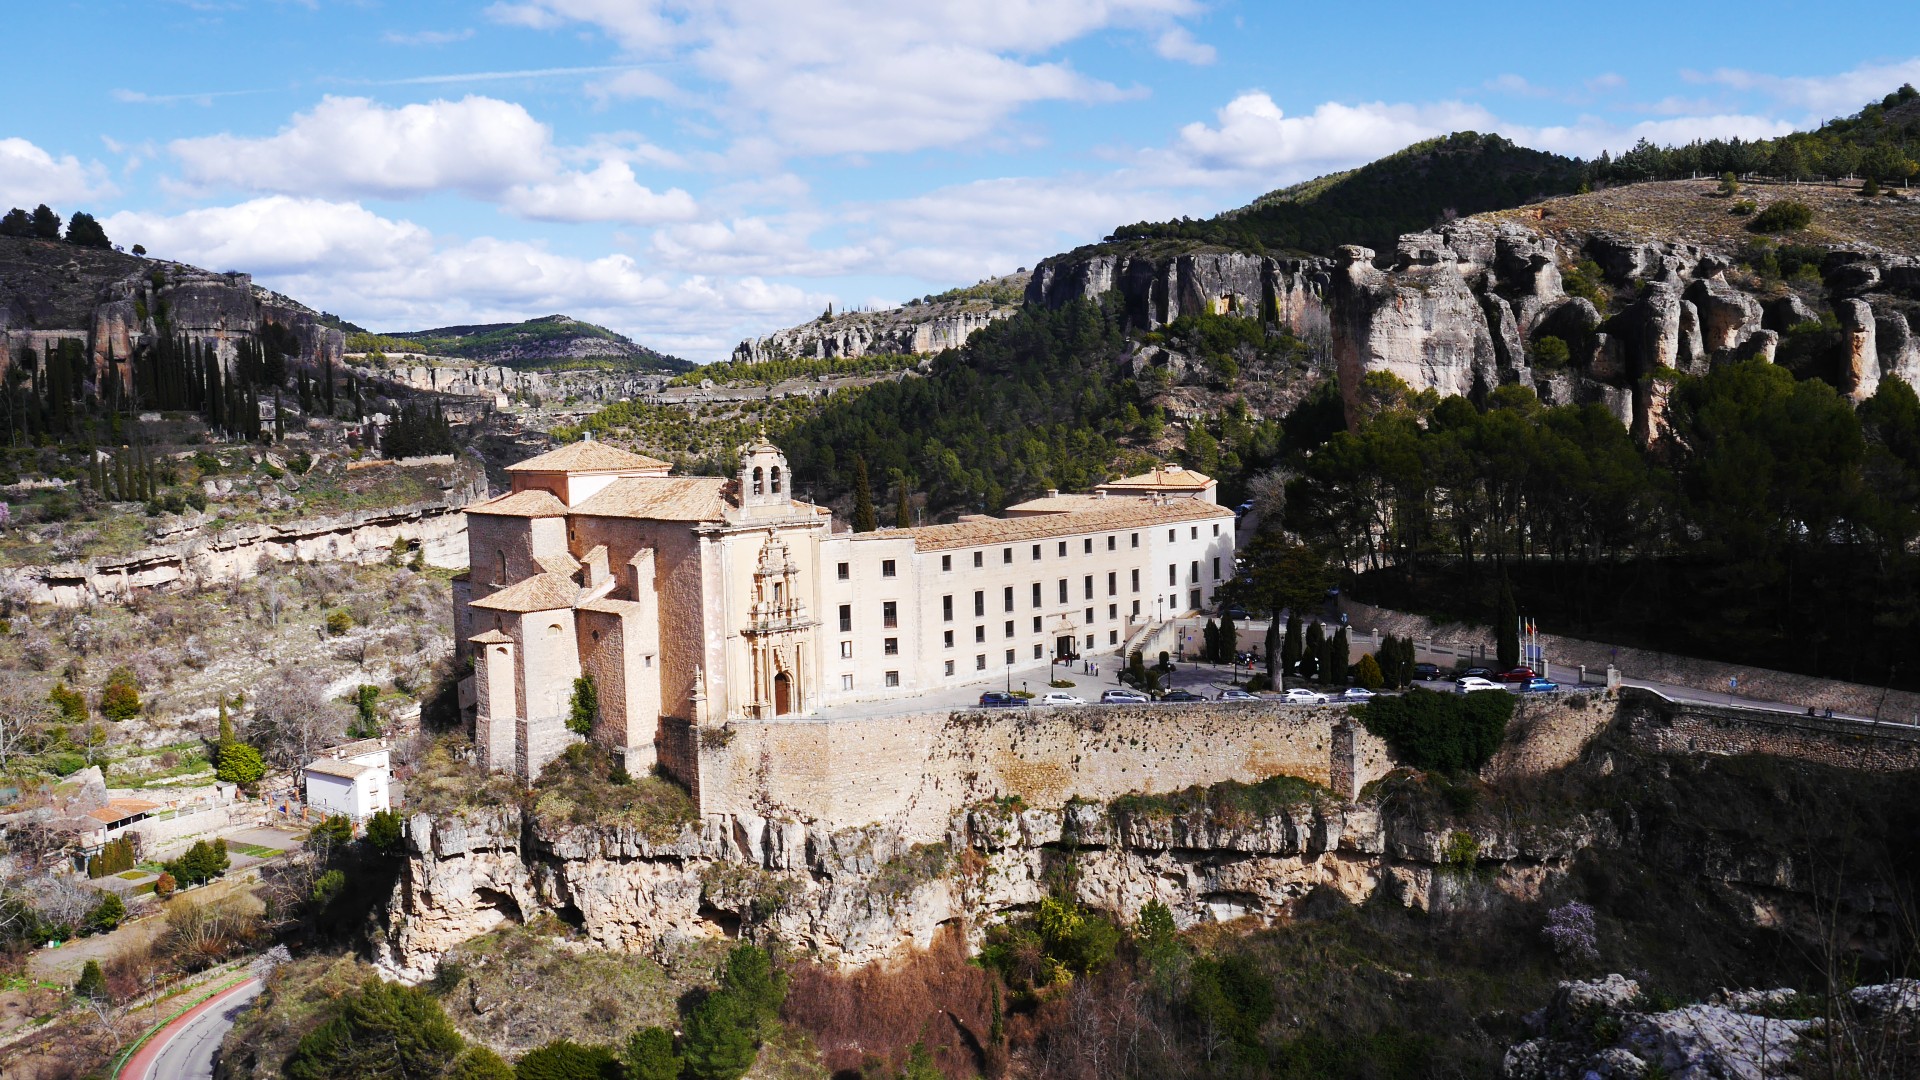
[1685, 727]
[917, 771]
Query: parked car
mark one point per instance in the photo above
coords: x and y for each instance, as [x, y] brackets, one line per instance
[1181, 696]
[1242, 509]
[1231, 694]
[1300, 695]
[1056, 697]
[1519, 675]
[1477, 673]
[1124, 697]
[995, 699]
[1540, 686]
[1426, 672]
[1237, 613]
[1473, 684]
[1356, 693]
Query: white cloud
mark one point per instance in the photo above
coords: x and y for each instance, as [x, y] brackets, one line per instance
[427, 37]
[1589, 136]
[30, 175]
[608, 193]
[392, 274]
[867, 76]
[1254, 140]
[1823, 95]
[1179, 44]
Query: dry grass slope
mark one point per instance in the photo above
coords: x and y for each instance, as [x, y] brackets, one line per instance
[1693, 212]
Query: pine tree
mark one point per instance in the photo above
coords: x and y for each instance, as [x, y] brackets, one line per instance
[864, 519]
[1506, 628]
[46, 223]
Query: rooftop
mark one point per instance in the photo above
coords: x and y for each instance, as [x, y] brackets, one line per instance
[534, 502]
[589, 456]
[327, 766]
[356, 748]
[541, 592]
[1162, 478]
[118, 810]
[1116, 514]
[1059, 504]
[662, 498]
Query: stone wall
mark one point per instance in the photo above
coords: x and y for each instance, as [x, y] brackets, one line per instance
[916, 772]
[1687, 727]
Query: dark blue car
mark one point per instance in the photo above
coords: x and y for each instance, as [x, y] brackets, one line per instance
[995, 699]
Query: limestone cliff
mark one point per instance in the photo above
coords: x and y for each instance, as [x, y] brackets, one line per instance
[116, 304]
[917, 328]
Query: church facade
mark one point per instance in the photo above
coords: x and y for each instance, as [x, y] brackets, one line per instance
[693, 601]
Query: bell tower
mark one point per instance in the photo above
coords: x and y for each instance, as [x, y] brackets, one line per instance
[764, 479]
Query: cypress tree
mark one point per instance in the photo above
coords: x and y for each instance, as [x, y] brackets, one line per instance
[1229, 638]
[1313, 652]
[864, 519]
[1290, 650]
[1506, 627]
[903, 510]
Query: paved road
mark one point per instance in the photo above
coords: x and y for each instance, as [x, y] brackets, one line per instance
[185, 1050]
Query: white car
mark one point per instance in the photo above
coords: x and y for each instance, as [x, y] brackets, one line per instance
[1231, 694]
[1057, 698]
[1473, 684]
[1124, 697]
[1356, 693]
[1300, 695]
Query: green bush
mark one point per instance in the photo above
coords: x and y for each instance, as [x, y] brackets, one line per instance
[66, 763]
[719, 1042]
[1230, 997]
[203, 862]
[584, 709]
[1782, 216]
[238, 763]
[1743, 207]
[71, 703]
[1551, 353]
[115, 857]
[751, 976]
[564, 1059]
[92, 982]
[339, 621]
[383, 1030]
[385, 832]
[649, 1055]
[479, 1063]
[1430, 730]
[108, 914]
[120, 697]
[1366, 673]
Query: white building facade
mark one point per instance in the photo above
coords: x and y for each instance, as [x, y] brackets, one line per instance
[354, 779]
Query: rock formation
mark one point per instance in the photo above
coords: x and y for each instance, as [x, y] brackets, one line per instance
[912, 331]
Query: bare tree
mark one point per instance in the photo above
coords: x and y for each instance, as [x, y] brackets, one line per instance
[294, 717]
[22, 716]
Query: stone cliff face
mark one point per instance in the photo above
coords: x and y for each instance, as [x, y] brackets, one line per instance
[899, 331]
[466, 379]
[855, 896]
[1463, 309]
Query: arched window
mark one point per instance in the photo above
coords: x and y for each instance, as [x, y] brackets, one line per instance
[500, 562]
[776, 479]
[779, 594]
[554, 631]
[758, 480]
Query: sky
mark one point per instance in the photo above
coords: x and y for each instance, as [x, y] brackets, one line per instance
[695, 172]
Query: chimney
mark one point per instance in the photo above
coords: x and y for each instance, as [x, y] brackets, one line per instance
[1053, 493]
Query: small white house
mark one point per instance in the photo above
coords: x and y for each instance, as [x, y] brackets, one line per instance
[350, 779]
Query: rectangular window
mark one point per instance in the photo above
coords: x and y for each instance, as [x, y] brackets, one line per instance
[946, 562]
[949, 667]
[1136, 539]
[1087, 586]
[1173, 574]
[1089, 641]
[846, 682]
[1216, 566]
[1113, 637]
[1063, 549]
[1036, 624]
[1113, 611]
[1194, 599]
[890, 614]
[1216, 530]
[1036, 594]
[1196, 572]
[1039, 652]
[1112, 541]
[1009, 628]
[1006, 555]
[979, 559]
[844, 571]
[946, 607]
[893, 678]
[1063, 590]
[846, 618]
[1036, 553]
[980, 662]
[886, 568]
[846, 650]
[1086, 546]
[1089, 620]
[979, 635]
[1009, 657]
[1113, 583]
[1136, 609]
[1170, 533]
[1196, 533]
[1008, 597]
[979, 603]
[1136, 586]
[892, 646]
[946, 639]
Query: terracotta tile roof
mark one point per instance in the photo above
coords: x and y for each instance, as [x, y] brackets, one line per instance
[1060, 504]
[118, 810]
[334, 767]
[613, 607]
[561, 563]
[541, 592]
[530, 503]
[1123, 513]
[1163, 477]
[354, 749]
[662, 498]
[491, 637]
[588, 456]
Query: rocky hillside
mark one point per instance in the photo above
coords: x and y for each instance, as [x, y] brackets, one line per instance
[549, 343]
[918, 327]
[116, 303]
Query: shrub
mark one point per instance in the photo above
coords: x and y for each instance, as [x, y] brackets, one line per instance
[479, 1063]
[92, 983]
[108, 914]
[584, 709]
[334, 832]
[1461, 853]
[384, 1029]
[1587, 281]
[120, 697]
[564, 1059]
[751, 976]
[203, 862]
[1570, 931]
[366, 702]
[1870, 188]
[649, 1055]
[339, 621]
[1551, 353]
[1231, 998]
[1743, 207]
[1729, 185]
[164, 886]
[71, 703]
[66, 763]
[719, 1042]
[238, 763]
[1430, 730]
[1783, 216]
[115, 856]
[1366, 673]
[385, 831]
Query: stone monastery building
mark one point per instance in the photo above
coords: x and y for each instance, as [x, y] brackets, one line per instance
[694, 600]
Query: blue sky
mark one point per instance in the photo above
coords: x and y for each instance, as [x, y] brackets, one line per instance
[692, 172]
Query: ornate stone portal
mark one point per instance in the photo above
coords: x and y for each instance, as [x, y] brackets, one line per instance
[777, 635]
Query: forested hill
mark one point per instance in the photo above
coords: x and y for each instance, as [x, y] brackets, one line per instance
[549, 343]
[1463, 173]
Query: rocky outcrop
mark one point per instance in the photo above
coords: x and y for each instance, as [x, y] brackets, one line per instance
[896, 331]
[442, 375]
[1157, 290]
